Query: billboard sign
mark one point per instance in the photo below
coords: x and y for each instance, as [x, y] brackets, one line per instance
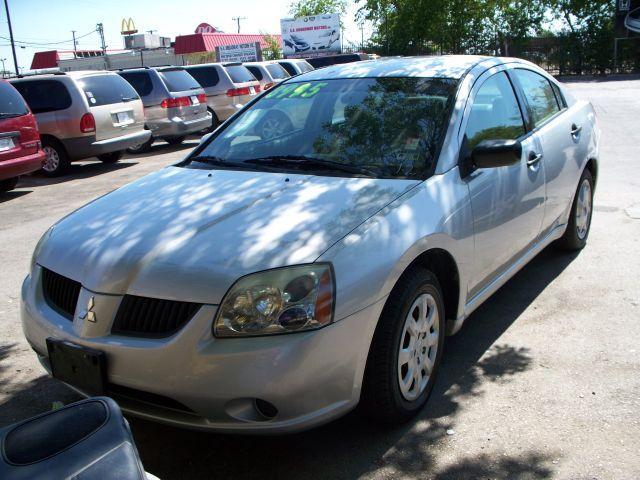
[627, 18]
[243, 52]
[311, 36]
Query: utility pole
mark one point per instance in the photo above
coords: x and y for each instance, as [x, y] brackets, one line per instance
[362, 36]
[237, 19]
[150, 32]
[3, 70]
[13, 45]
[75, 44]
[100, 30]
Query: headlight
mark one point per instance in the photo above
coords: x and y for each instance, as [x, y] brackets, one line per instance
[282, 300]
[36, 251]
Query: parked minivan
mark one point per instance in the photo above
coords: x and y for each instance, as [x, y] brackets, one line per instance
[20, 147]
[267, 73]
[296, 66]
[229, 86]
[174, 103]
[83, 114]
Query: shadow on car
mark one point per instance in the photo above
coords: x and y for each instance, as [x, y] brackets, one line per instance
[353, 446]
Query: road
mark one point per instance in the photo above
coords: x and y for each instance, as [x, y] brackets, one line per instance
[542, 382]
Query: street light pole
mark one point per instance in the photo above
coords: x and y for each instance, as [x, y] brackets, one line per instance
[13, 45]
[73, 32]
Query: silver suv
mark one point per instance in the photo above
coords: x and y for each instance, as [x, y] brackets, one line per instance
[174, 103]
[229, 86]
[269, 74]
[82, 115]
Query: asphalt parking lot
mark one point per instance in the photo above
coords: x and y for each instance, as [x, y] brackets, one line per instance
[542, 382]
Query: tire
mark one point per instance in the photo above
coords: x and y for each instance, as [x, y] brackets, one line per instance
[57, 160]
[383, 398]
[175, 140]
[577, 232]
[142, 148]
[111, 157]
[8, 184]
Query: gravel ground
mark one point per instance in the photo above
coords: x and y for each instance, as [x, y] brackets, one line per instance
[542, 382]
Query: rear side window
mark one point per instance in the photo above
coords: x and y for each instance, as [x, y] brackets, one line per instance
[561, 101]
[11, 103]
[495, 114]
[289, 68]
[205, 76]
[541, 100]
[304, 66]
[178, 80]
[44, 95]
[239, 74]
[140, 81]
[276, 71]
[106, 90]
[255, 71]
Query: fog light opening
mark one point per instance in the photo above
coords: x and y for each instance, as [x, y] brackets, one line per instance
[266, 409]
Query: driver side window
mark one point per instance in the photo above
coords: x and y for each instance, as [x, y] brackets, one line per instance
[495, 114]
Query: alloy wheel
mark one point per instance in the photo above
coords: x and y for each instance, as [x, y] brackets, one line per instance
[583, 209]
[418, 346]
[52, 160]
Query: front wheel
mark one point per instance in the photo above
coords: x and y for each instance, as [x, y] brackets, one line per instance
[111, 157]
[406, 349]
[577, 232]
[142, 148]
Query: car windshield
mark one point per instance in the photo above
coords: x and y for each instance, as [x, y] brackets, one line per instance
[277, 71]
[385, 128]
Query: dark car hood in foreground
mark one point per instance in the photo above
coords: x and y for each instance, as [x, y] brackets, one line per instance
[189, 234]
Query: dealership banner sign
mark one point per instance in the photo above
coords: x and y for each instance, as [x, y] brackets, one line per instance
[311, 36]
[627, 18]
[243, 52]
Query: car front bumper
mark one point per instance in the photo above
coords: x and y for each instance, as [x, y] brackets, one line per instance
[178, 126]
[21, 165]
[86, 147]
[309, 377]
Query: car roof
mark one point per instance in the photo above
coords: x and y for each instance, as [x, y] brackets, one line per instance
[445, 66]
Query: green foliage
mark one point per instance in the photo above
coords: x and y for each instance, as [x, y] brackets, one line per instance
[305, 8]
[272, 51]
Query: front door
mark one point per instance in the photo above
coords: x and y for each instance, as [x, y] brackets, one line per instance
[507, 202]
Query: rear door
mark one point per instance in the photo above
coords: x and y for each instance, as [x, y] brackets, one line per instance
[18, 133]
[561, 138]
[183, 86]
[507, 202]
[115, 105]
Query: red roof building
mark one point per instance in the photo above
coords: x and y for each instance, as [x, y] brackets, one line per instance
[207, 42]
[51, 58]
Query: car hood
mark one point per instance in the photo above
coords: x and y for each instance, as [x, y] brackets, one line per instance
[187, 234]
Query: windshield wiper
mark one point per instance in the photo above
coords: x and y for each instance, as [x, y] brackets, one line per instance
[129, 99]
[220, 162]
[11, 114]
[310, 163]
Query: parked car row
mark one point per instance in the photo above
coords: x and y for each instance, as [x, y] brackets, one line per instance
[101, 114]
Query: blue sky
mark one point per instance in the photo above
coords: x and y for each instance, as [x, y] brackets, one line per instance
[43, 21]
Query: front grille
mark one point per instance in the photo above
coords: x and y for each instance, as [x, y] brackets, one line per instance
[119, 392]
[60, 293]
[152, 317]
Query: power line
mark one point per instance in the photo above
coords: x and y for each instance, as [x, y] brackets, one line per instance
[49, 43]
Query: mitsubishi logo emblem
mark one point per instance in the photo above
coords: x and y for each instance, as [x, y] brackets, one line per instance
[88, 313]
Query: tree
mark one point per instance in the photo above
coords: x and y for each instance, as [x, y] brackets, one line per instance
[272, 51]
[305, 8]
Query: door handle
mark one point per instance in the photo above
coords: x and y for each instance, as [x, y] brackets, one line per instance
[533, 159]
[575, 130]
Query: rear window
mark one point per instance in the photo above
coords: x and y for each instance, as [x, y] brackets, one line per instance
[276, 71]
[255, 71]
[205, 76]
[11, 103]
[289, 68]
[106, 90]
[240, 74]
[140, 81]
[305, 66]
[44, 95]
[178, 80]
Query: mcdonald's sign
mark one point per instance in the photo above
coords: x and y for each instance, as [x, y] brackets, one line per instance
[128, 27]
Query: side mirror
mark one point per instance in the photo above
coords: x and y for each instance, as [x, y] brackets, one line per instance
[496, 153]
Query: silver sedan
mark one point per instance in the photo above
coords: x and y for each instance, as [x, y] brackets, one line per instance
[314, 251]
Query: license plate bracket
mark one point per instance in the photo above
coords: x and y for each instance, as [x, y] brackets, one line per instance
[77, 365]
[195, 100]
[124, 118]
